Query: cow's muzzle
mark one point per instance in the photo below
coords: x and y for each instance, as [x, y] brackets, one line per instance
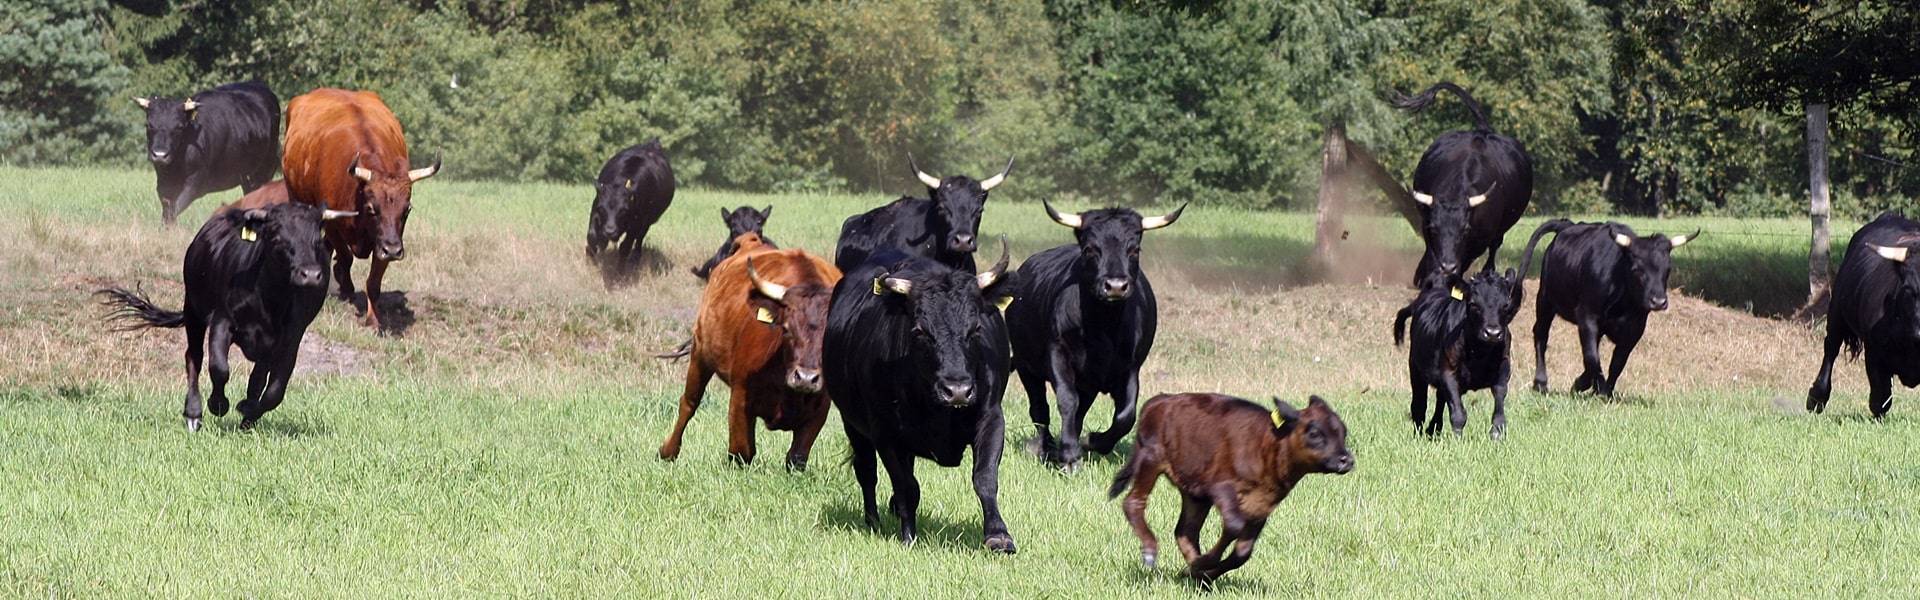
[963, 242]
[1341, 465]
[1113, 289]
[1492, 333]
[307, 277]
[805, 381]
[160, 157]
[1657, 303]
[390, 252]
[955, 394]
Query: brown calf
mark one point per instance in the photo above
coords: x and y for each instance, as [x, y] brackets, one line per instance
[759, 328]
[1230, 454]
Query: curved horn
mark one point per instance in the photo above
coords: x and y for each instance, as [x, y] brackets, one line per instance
[999, 268]
[1068, 219]
[1893, 253]
[419, 174]
[995, 180]
[1152, 223]
[1476, 200]
[1623, 240]
[1423, 198]
[360, 173]
[770, 289]
[1682, 239]
[931, 181]
[189, 105]
[898, 285]
[330, 214]
[143, 102]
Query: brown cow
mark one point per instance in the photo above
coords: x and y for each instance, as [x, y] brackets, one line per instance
[759, 329]
[1231, 454]
[345, 151]
[261, 197]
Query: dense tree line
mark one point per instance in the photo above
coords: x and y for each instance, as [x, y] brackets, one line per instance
[1637, 106]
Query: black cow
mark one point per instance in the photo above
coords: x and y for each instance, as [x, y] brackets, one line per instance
[1084, 323]
[941, 228]
[1461, 343]
[633, 190]
[1603, 279]
[213, 140]
[741, 220]
[1472, 187]
[1875, 307]
[915, 358]
[254, 278]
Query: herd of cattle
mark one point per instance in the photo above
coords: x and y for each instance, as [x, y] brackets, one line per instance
[912, 344]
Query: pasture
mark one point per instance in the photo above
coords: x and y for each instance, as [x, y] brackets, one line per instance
[504, 444]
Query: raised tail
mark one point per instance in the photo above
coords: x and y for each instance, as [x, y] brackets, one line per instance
[1526, 258]
[1421, 101]
[132, 312]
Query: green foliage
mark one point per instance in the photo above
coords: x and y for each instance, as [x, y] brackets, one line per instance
[58, 85]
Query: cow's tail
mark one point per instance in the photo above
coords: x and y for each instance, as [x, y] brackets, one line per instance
[1526, 257]
[1125, 477]
[1400, 324]
[685, 348]
[131, 311]
[1422, 100]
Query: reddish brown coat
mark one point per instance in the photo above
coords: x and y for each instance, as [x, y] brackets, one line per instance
[345, 151]
[762, 339]
[1230, 454]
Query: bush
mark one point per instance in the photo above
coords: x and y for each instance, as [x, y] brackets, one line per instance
[58, 84]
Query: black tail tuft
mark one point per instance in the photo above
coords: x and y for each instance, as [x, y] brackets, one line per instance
[1422, 100]
[132, 312]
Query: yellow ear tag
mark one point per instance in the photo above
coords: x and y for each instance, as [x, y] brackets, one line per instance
[1458, 295]
[247, 234]
[1002, 303]
[1277, 421]
[876, 287]
[763, 315]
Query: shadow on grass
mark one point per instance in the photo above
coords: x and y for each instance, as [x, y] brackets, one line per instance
[1107, 463]
[1169, 574]
[273, 424]
[396, 312]
[1768, 281]
[616, 276]
[936, 530]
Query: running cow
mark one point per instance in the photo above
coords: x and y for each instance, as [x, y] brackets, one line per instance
[1876, 308]
[941, 227]
[1085, 323]
[633, 190]
[1605, 280]
[740, 220]
[1472, 186]
[759, 329]
[345, 152]
[1461, 343]
[916, 361]
[214, 140]
[255, 278]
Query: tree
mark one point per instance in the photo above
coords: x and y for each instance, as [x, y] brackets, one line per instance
[58, 84]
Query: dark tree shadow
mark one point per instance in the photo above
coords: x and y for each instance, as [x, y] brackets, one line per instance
[843, 514]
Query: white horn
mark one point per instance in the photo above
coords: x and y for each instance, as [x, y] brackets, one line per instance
[141, 101]
[1068, 219]
[1682, 239]
[1423, 198]
[1152, 223]
[931, 181]
[330, 214]
[360, 173]
[1623, 240]
[770, 289]
[995, 180]
[190, 105]
[1476, 200]
[419, 174]
[1893, 253]
[898, 285]
[1000, 268]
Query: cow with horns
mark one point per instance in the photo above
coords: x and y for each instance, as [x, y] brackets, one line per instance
[1875, 309]
[223, 137]
[1472, 186]
[941, 226]
[1084, 323]
[1605, 280]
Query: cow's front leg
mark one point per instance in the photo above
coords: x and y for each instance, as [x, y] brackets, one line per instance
[374, 275]
[988, 440]
[906, 492]
[1591, 376]
[219, 342]
[343, 272]
[1125, 411]
[196, 352]
[808, 431]
[1823, 383]
[865, 471]
[1069, 395]
[740, 442]
[1625, 336]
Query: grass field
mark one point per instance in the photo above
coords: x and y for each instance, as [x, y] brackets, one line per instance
[504, 444]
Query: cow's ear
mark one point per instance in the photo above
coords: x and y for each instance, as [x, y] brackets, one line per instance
[724, 215]
[255, 215]
[765, 213]
[1285, 416]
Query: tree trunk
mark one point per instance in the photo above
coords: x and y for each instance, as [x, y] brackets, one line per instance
[1333, 192]
[1821, 206]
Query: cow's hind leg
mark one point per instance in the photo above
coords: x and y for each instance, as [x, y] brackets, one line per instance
[1879, 386]
[1135, 506]
[1242, 550]
[1823, 383]
[268, 385]
[697, 378]
[196, 352]
[1186, 531]
[1417, 409]
[1035, 382]
[219, 343]
[343, 272]
[865, 471]
[1233, 526]
[1542, 325]
[906, 491]
[740, 442]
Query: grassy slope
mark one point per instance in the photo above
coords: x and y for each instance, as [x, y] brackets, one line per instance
[505, 445]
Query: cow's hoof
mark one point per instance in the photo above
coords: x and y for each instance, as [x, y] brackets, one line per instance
[1001, 543]
[217, 406]
[1539, 386]
[1148, 556]
[247, 423]
[1499, 433]
[797, 464]
[193, 423]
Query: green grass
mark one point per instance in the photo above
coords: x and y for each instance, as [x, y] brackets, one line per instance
[505, 445]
